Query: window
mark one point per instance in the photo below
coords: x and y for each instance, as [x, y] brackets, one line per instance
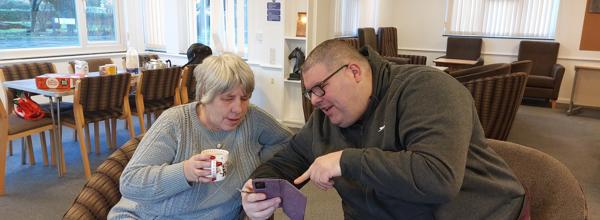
[154, 24]
[223, 24]
[346, 21]
[502, 18]
[39, 27]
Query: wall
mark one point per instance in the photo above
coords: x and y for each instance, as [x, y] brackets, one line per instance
[421, 24]
[265, 56]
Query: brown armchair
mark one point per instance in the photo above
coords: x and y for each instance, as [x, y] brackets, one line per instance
[367, 37]
[101, 192]
[497, 94]
[387, 45]
[478, 72]
[546, 75]
[464, 48]
[553, 191]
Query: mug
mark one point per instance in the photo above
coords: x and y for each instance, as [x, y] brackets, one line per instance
[111, 69]
[108, 69]
[218, 166]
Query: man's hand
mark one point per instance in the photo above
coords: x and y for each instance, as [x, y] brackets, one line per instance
[323, 170]
[255, 204]
[194, 168]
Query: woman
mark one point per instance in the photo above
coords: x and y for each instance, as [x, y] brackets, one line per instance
[167, 177]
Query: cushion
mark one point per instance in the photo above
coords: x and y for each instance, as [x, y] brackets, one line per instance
[540, 81]
[17, 124]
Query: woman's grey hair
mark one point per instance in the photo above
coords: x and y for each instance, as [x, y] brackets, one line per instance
[219, 74]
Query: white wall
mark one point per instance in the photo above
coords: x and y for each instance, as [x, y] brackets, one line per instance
[421, 24]
[265, 56]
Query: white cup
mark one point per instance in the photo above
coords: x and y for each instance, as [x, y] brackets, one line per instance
[218, 166]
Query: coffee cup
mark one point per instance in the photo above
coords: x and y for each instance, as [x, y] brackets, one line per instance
[218, 166]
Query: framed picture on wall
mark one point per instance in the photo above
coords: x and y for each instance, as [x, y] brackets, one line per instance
[594, 6]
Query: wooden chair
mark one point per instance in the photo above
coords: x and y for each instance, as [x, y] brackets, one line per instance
[156, 91]
[97, 99]
[18, 72]
[188, 84]
[12, 127]
[93, 64]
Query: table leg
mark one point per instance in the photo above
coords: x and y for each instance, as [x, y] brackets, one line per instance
[57, 137]
[60, 146]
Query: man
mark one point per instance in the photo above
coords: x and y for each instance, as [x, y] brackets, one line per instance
[396, 142]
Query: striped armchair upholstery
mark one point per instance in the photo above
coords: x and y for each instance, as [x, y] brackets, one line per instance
[367, 37]
[478, 72]
[156, 91]
[497, 99]
[101, 192]
[387, 45]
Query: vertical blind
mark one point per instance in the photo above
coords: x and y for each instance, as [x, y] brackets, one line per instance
[503, 18]
[346, 19]
[228, 26]
[154, 24]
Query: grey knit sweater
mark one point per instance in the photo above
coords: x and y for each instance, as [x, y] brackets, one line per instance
[154, 185]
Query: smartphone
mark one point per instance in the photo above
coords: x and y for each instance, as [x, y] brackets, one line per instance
[293, 201]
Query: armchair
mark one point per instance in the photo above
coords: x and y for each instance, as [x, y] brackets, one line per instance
[387, 40]
[552, 190]
[101, 192]
[546, 75]
[367, 37]
[462, 48]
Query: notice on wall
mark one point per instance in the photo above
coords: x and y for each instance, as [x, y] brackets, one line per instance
[273, 11]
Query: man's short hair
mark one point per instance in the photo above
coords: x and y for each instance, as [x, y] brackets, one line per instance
[219, 74]
[333, 54]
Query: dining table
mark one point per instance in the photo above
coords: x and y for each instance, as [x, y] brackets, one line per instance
[55, 97]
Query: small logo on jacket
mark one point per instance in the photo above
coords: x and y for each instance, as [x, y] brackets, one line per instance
[381, 128]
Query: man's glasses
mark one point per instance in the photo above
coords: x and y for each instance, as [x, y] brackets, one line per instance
[318, 89]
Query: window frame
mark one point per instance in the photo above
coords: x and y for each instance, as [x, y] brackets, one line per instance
[85, 46]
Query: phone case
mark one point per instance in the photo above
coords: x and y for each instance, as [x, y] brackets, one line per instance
[293, 201]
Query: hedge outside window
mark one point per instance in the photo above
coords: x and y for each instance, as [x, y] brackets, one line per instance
[38, 23]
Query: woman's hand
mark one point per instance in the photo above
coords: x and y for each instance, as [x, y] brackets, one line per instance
[256, 205]
[197, 168]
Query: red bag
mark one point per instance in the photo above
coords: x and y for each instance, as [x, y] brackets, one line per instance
[28, 109]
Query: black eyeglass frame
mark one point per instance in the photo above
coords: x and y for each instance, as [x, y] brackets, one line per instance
[319, 89]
